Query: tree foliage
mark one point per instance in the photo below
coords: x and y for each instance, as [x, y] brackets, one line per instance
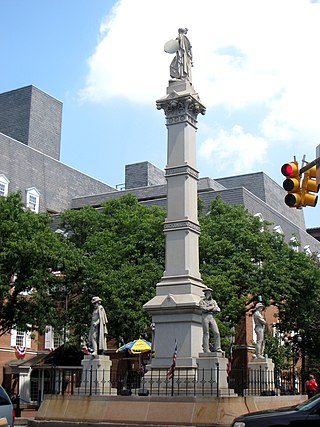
[241, 259]
[29, 251]
[123, 247]
[117, 252]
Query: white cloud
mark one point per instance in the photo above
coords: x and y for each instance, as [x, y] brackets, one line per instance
[236, 151]
[245, 52]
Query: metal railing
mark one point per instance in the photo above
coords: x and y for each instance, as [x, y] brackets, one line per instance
[184, 382]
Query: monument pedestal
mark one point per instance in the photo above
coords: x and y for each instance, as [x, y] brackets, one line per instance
[212, 375]
[96, 371]
[261, 376]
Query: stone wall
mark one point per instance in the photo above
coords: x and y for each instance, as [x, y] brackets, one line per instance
[186, 411]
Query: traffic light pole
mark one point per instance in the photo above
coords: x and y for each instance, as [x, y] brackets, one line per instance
[310, 165]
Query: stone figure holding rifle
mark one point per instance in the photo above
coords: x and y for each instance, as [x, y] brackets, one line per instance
[209, 309]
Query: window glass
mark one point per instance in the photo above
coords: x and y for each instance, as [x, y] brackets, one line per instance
[33, 199]
[32, 202]
[2, 189]
[20, 338]
[4, 185]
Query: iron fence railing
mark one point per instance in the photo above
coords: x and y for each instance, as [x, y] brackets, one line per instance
[184, 382]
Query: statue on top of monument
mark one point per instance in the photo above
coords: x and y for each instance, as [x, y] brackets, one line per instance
[209, 309]
[180, 67]
[98, 330]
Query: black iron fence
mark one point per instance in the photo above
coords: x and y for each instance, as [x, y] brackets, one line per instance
[184, 382]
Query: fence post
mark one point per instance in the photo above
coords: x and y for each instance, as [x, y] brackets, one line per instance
[90, 383]
[260, 379]
[218, 378]
[172, 384]
[17, 409]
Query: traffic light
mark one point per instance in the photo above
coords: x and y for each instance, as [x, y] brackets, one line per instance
[310, 186]
[292, 184]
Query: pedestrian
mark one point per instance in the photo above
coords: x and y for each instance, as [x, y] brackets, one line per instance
[311, 386]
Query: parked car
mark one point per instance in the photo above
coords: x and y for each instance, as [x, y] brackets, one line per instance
[6, 409]
[304, 414]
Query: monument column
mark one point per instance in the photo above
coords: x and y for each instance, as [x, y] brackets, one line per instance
[175, 308]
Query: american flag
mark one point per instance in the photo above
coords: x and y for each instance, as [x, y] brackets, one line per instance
[229, 363]
[172, 368]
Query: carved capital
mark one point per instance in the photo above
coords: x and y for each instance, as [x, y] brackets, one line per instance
[181, 108]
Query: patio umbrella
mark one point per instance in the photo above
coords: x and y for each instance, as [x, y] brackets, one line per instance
[136, 346]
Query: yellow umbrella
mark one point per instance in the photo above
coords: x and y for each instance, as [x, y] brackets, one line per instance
[136, 346]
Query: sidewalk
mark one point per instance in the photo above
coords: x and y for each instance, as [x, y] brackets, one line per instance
[26, 415]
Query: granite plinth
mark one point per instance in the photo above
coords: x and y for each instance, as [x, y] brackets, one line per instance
[213, 374]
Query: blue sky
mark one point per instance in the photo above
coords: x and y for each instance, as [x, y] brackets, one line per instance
[256, 68]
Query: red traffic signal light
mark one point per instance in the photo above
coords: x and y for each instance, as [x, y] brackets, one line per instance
[292, 184]
[288, 169]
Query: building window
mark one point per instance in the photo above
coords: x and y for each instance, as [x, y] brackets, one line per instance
[307, 250]
[4, 185]
[57, 340]
[260, 217]
[20, 338]
[32, 202]
[52, 339]
[33, 199]
[294, 244]
[278, 229]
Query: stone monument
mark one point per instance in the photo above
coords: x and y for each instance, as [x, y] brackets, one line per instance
[175, 308]
[96, 366]
[261, 368]
[212, 365]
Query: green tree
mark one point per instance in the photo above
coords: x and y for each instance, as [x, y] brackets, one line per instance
[241, 259]
[278, 351]
[117, 253]
[123, 250]
[29, 252]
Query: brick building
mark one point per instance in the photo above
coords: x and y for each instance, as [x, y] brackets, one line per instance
[30, 137]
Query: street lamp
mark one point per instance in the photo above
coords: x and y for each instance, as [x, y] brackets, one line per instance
[301, 341]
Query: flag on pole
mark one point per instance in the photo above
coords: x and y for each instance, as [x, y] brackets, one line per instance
[229, 363]
[172, 368]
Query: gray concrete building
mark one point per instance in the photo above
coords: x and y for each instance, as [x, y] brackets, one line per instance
[257, 192]
[30, 138]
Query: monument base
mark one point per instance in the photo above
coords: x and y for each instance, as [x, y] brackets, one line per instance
[213, 374]
[261, 376]
[95, 377]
